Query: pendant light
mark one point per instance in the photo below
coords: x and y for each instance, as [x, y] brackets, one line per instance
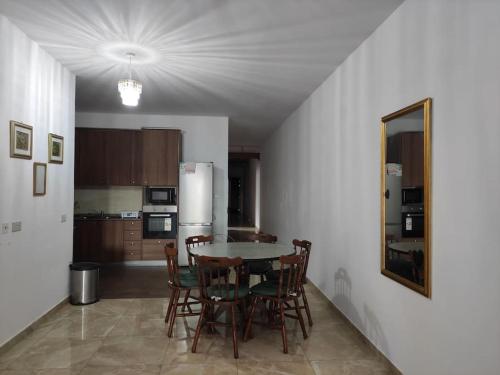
[130, 90]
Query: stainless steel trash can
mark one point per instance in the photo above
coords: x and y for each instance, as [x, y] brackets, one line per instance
[84, 283]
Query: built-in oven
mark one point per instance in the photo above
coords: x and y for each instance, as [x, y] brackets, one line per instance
[160, 223]
[165, 196]
[412, 196]
[412, 223]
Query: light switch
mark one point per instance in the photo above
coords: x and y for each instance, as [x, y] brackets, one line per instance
[16, 226]
[63, 218]
[5, 228]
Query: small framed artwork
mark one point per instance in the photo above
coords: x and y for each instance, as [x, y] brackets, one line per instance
[21, 140]
[56, 148]
[39, 179]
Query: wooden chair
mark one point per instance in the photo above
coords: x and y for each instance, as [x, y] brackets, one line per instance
[260, 268]
[177, 282]
[217, 292]
[192, 242]
[287, 290]
[301, 247]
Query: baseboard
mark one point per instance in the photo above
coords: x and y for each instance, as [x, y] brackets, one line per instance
[346, 319]
[30, 328]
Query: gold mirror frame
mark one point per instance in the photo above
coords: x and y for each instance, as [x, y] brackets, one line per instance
[426, 104]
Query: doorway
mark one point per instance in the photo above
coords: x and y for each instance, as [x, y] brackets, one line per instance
[244, 194]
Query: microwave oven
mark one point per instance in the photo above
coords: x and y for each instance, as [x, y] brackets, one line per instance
[412, 196]
[165, 196]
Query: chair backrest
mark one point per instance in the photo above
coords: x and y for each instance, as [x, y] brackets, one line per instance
[172, 265]
[263, 237]
[196, 241]
[303, 247]
[291, 270]
[213, 273]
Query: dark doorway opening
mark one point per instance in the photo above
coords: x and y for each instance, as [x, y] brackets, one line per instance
[244, 191]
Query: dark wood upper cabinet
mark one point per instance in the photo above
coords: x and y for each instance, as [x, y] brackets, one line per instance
[160, 158]
[90, 160]
[123, 150]
[407, 149]
[112, 157]
[412, 159]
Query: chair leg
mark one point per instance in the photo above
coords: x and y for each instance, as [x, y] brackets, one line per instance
[250, 317]
[186, 298]
[198, 327]
[283, 327]
[174, 312]
[235, 331]
[299, 315]
[170, 303]
[306, 304]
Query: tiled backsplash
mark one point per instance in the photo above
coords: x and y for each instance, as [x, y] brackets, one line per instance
[111, 200]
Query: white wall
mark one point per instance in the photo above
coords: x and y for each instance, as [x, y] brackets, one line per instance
[36, 90]
[204, 138]
[321, 181]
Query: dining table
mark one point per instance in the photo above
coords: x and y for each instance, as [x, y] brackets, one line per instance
[248, 251]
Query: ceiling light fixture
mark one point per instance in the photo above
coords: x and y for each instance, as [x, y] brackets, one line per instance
[130, 90]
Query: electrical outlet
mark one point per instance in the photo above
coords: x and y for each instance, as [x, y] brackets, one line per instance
[16, 226]
[63, 218]
[5, 228]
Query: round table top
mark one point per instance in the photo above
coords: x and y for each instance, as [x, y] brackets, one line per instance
[246, 250]
[406, 247]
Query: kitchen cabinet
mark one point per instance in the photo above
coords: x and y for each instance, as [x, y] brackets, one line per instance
[86, 241]
[98, 240]
[123, 157]
[111, 241]
[112, 157]
[90, 160]
[155, 249]
[160, 158]
[407, 149]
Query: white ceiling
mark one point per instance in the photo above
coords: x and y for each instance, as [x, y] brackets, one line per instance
[254, 61]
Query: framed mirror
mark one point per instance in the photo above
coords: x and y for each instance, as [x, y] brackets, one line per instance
[406, 196]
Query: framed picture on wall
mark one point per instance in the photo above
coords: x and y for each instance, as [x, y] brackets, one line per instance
[56, 148]
[21, 140]
[39, 179]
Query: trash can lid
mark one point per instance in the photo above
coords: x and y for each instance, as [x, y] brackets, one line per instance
[84, 266]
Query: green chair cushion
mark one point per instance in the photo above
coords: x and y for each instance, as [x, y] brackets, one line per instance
[216, 292]
[274, 275]
[265, 288]
[259, 267]
[188, 280]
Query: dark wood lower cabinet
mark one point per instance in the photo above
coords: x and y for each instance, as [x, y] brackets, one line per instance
[107, 241]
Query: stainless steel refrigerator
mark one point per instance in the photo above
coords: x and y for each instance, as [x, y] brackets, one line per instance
[194, 203]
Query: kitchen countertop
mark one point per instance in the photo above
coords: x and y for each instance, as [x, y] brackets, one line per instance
[104, 216]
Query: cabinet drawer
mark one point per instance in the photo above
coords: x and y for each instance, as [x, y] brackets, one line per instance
[132, 235]
[132, 245]
[132, 255]
[132, 225]
[154, 249]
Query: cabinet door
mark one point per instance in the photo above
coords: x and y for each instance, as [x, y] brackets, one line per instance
[90, 166]
[118, 151]
[87, 241]
[413, 159]
[173, 154]
[112, 241]
[154, 157]
[136, 158]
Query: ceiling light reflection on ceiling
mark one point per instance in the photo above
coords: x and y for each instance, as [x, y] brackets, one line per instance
[130, 90]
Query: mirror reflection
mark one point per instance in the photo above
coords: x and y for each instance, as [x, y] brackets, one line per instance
[404, 247]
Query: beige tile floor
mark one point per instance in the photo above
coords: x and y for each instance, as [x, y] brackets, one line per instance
[128, 336]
